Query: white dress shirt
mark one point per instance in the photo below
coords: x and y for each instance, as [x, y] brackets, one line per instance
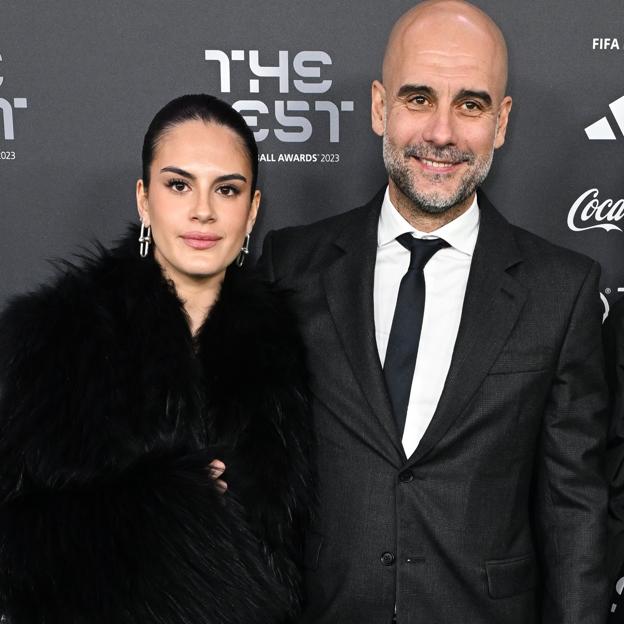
[446, 276]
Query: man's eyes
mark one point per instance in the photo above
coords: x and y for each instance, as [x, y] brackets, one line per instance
[470, 106]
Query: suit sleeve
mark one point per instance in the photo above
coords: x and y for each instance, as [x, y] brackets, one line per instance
[571, 504]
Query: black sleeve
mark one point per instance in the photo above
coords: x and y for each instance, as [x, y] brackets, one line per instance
[94, 528]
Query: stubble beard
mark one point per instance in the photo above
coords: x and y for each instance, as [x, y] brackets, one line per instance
[433, 203]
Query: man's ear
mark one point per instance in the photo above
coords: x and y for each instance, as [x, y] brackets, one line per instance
[501, 123]
[378, 107]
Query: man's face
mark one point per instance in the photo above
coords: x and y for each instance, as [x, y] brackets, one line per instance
[441, 113]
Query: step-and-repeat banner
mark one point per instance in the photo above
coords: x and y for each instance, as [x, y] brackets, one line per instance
[80, 80]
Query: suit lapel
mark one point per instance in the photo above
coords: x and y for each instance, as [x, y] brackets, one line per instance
[491, 307]
[348, 284]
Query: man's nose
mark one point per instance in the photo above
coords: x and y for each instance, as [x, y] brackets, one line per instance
[440, 128]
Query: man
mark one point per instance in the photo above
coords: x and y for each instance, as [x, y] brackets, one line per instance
[463, 485]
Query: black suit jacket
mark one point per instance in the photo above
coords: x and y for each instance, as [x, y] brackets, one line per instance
[499, 516]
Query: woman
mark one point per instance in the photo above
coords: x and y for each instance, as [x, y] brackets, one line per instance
[125, 378]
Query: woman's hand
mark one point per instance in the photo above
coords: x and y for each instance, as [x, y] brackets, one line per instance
[216, 468]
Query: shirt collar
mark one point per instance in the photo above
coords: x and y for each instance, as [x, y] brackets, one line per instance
[461, 233]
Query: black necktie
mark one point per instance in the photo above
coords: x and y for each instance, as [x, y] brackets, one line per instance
[407, 323]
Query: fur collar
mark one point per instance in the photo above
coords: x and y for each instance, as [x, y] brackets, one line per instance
[101, 378]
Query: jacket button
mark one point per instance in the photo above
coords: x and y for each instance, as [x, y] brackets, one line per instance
[406, 476]
[387, 558]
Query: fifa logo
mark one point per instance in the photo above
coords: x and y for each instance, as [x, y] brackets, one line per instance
[289, 120]
[7, 112]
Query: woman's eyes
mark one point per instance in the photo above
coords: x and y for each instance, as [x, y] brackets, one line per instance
[177, 185]
[182, 186]
[228, 190]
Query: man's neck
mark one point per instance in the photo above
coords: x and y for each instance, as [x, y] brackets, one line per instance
[425, 221]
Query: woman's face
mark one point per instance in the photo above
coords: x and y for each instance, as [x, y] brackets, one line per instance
[199, 202]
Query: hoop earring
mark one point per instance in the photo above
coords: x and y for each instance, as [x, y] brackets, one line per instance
[145, 238]
[240, 259]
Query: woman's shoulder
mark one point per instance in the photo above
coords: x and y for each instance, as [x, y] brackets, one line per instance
[82, 297]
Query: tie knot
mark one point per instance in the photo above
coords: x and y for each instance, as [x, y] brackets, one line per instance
[421, 249]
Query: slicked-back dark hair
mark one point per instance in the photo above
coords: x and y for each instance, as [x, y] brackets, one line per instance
[198, 107]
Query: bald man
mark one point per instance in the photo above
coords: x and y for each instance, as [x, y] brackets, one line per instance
[456, 367]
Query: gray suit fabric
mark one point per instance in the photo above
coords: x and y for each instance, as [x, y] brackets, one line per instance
[499, 516]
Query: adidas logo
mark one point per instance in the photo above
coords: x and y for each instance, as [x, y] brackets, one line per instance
[601, 130]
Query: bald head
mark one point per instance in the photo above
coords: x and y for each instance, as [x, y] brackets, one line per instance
[453, 29]
[441, 108]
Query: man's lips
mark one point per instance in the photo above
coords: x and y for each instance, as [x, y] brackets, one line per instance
[438, 166]
[200, 240]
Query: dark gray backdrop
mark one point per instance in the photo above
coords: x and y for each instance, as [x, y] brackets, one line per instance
[94, 73]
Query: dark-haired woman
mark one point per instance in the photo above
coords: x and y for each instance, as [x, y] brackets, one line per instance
[124, 379]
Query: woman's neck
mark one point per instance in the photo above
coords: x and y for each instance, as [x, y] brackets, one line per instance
[197, 303]
[197, 296]
[197, 293]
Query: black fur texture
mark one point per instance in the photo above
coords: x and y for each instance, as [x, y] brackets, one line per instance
[110, 412]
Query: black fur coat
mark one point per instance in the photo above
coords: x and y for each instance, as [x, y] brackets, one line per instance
[110, 412]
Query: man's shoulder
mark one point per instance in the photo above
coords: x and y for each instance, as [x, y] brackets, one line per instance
[545, 256]
[553, 273]
[295, 235]
[539, 256]
[306, 248]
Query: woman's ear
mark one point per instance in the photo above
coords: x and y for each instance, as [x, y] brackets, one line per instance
[142, 203]
[253, 212]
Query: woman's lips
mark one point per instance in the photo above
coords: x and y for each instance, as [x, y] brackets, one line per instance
[199, 240]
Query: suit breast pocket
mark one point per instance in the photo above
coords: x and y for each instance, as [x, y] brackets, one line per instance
[521, 359]
[508, 577]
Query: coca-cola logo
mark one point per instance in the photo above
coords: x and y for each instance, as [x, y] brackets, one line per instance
[591, 213]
